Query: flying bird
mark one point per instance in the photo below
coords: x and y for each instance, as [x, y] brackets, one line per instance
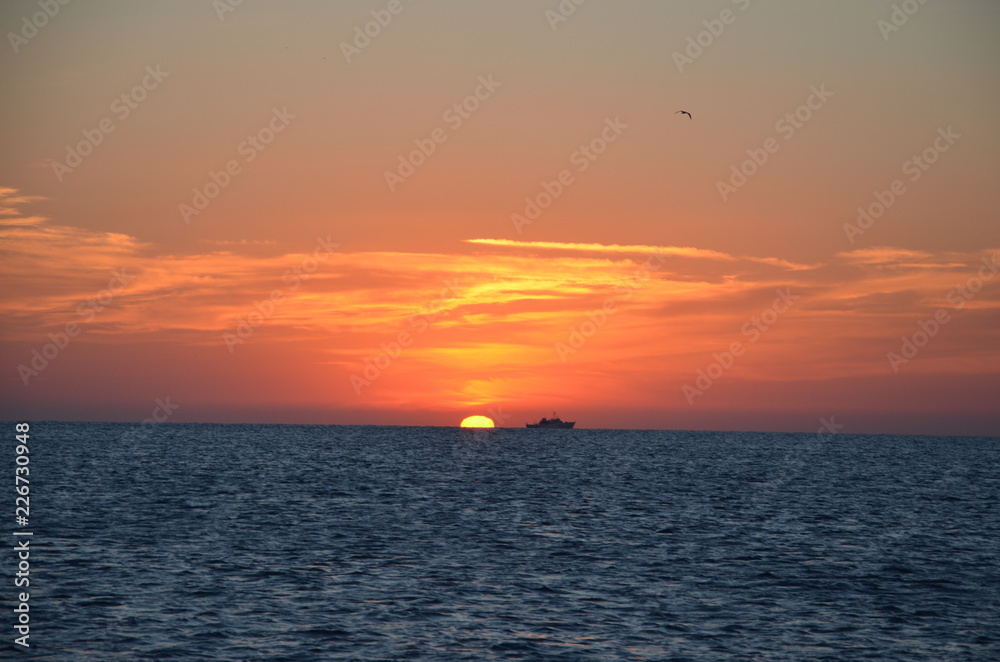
[684, 112]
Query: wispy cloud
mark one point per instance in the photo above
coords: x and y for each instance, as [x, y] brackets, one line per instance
[678, 251]
[494, 334]
[10, 201]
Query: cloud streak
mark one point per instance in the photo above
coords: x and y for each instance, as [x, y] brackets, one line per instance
[493, 341]
[637, 249]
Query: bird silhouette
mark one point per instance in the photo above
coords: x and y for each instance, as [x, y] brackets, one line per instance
[684, 112]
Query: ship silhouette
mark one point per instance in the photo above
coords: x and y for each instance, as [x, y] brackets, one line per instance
[552, 423]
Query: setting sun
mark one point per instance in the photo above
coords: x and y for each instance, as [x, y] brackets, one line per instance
[477, 422]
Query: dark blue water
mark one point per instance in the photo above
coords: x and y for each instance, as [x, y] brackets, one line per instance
[213, 542]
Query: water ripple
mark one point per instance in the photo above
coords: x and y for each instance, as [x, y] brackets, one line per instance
[304, 543]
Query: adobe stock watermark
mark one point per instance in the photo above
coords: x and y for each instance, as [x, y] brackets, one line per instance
[914, 168]
[754, 329]
[223, 7]
[265, 308]
[498, 416]
[122, 107]
[455, 116]
[795, 459]
[86, 311]
[581, 158]
[900, 16]
[364, 34]
[828, 428]
[495, 414]
[596, 319]
[929, 328]
[562, 12]
[698, 44]
[419, 322]
[249, 148]
[984, 623]
[163, 409]
[31, 25]
[786, 127]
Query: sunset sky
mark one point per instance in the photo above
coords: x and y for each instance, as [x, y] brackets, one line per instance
[259, 213]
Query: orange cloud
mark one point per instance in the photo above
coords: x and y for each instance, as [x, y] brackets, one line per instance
[680, 251]
[489, 328]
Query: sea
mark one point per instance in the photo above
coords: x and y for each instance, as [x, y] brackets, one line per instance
[309, 543]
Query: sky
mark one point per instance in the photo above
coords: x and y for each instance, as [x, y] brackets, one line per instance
[407, 212]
